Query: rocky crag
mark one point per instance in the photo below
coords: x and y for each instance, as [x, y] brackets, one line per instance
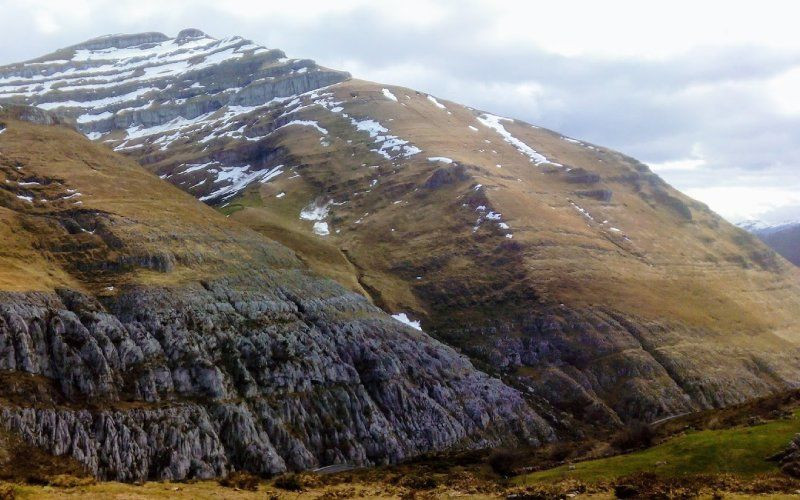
[146, 336]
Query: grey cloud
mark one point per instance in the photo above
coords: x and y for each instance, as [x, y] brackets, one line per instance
[654, 109]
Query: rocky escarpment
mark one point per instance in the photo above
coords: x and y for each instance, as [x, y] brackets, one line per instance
[148, 83]
[600, 365]
[789, 458]
[267, 375]
[145, 335]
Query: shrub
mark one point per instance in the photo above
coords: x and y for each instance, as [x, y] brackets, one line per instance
[419, 482]
[505, 462]
[70, 481]
[636, 435]
[289, 482]
[7, 492]
[242, 480]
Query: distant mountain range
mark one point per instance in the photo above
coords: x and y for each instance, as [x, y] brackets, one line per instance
[542, 287]
[784, 237]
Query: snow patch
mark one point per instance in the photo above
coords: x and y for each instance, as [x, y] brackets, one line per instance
[321, 228]
[436, 103]
[388, 94]
[239, 178]
[493, 122]
[403, 318]
[314, 211]
[441, 159]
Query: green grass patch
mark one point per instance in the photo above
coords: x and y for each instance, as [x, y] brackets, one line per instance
[740, 451]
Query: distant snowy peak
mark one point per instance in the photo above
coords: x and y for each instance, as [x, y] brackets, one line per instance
[763, 228]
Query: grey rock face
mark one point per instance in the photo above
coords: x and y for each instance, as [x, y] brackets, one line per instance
[286, 373]
[606, 368]
[147, 80]
[149, 91]
[789, 458]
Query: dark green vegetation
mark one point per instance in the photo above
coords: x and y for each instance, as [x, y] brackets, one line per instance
[741, 451]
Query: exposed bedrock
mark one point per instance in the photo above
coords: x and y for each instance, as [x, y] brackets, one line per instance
[200, 380]
[606, 367]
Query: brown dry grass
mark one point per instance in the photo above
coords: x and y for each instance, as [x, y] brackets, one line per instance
[147, 215]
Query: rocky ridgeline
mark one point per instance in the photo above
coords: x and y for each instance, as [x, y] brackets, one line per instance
[288, 373]
[140, 82]
[146, 91]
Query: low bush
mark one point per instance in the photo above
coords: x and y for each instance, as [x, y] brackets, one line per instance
[242, 480]
[635, 436]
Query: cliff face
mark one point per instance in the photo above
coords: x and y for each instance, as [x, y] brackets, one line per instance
[195, 382]
[570, 270]
[147, 336]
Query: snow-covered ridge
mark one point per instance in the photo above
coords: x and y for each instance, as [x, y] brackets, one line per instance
[763, 228]
[147, 93]
[101, 69]
[141, 82]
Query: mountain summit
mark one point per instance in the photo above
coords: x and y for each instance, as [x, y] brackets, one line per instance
[570, 271]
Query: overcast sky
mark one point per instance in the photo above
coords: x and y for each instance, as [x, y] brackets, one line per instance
[707, 93]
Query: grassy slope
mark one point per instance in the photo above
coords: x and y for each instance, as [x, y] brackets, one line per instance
[143, 215]
[665, 263]
[740, 451]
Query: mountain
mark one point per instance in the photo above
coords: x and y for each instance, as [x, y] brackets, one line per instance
[569, 270]
[784, 238]
[148, 336]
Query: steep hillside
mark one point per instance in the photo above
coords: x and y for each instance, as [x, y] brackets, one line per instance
[571, 270]
[783, 238]
[147, 336]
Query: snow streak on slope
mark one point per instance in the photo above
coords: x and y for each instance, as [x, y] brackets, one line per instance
[389, 146]
[493, 122]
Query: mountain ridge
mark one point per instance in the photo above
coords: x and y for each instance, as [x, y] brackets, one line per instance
[571, 270]
[783, 237]
[148, 337]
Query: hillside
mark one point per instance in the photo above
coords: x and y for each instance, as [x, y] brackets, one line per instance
[570, 270]
[783, 238]
[147, 336]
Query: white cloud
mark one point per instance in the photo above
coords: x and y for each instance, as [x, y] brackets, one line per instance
[684, 164]
[621, 28]
[738, 203]
[785, 91]
[45, 23]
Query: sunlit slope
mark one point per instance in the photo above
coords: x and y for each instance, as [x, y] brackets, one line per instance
[78, 215]
[564, 263]
[147, 336]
